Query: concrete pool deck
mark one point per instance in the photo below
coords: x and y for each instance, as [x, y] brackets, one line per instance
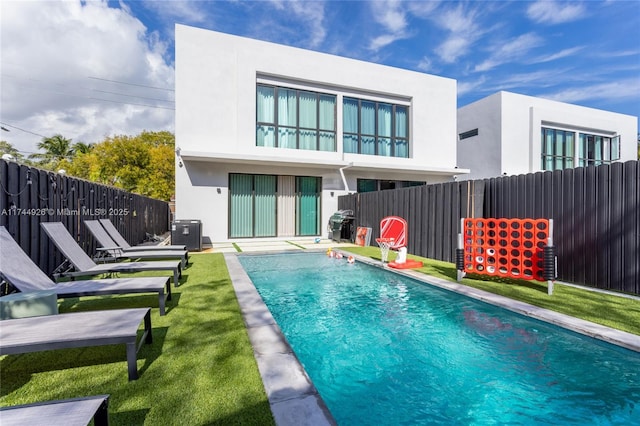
[293, 398]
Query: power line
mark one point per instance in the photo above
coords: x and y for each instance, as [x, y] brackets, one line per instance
[18, 128]
[132, 84]
[97, 99]
[131, 96]
[130, 103]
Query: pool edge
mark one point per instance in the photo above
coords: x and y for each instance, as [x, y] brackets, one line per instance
[293, 398]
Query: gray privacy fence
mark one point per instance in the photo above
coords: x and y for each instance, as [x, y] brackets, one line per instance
[29, 196]
[595, 211]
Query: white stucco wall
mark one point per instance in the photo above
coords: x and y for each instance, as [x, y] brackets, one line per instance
[513, 123]
[483, 149]
[216, 77]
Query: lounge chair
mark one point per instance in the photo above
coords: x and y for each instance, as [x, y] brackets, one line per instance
[110, 249]
[68, 412]
[83, 265]
[19, 270]
[78, 330]
[120, 241]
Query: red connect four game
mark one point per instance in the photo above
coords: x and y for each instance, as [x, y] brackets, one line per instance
[514, 248]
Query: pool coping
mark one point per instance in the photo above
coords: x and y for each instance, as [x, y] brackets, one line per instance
[293, 398]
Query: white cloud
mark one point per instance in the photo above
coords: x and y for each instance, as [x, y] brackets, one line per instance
[49, 53]
[294, 23]
[558, 55]
[312, 13]
[618, 90]
[425, 64]
[465, 87]
[510, 51]
[176, 10]
[389, 14]
[551, 12]
[463, 31]
[392, 17]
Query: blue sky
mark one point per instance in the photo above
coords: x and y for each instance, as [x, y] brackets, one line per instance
[93, 69]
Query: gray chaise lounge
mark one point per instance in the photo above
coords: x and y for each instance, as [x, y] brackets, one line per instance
[120, 241]
[68, 412]
[78, 330]
[83, 265]
[19, 270]
[110, 249]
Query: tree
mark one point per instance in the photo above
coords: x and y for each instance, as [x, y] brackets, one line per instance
[81, 148]
[7, 148]
[143, 164]
[57, 149]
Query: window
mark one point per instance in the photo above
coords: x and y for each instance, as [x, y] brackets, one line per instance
[561, 150]
[468, 134]
[557, 149]
[295, 119]
[594, 150]
[375, 128]
[370, 185]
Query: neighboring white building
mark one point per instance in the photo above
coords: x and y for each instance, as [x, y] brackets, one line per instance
[268, 136]
[508, 134]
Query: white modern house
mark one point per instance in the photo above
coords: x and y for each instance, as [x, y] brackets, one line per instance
[268, 136]
[509, 134]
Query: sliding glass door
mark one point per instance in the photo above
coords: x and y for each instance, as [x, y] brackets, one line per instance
[269, 205]
[252, 209]
[308, 205]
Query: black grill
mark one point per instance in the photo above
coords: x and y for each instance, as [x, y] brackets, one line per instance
[341, 226]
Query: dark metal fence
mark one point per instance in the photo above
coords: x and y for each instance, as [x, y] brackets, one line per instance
[29, 196]
[596, 214]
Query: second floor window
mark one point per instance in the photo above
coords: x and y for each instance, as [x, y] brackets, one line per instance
[375, 128]
[296, 119]
[594, 150]
[561, 149]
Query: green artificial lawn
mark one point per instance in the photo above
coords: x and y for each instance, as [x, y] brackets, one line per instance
[617, 312]
[199, 370]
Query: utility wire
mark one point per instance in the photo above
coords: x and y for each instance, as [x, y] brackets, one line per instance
[18, 128]
[132, 84]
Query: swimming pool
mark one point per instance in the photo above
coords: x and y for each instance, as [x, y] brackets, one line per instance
[385, 349]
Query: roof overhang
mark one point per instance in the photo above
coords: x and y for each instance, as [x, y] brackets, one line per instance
[318, 163]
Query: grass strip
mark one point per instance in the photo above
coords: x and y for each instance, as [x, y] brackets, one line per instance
[199, 370]
[296, 245]
[619, 312]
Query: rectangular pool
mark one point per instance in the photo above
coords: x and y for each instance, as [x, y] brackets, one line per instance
[385, 349]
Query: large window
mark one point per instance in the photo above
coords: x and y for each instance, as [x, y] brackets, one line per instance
[375, 128]
[296, 119]
[561, 150]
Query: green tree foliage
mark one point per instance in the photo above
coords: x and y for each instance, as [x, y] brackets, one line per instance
[57, 152]
[143, 164]
[7, 148]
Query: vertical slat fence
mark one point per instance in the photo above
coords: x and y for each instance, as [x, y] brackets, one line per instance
[29, 196]
[596, 214]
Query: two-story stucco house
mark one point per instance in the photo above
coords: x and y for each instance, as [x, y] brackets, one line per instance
[508, 134]
[268, 136]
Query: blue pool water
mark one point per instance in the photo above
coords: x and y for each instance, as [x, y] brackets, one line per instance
[383, 349]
